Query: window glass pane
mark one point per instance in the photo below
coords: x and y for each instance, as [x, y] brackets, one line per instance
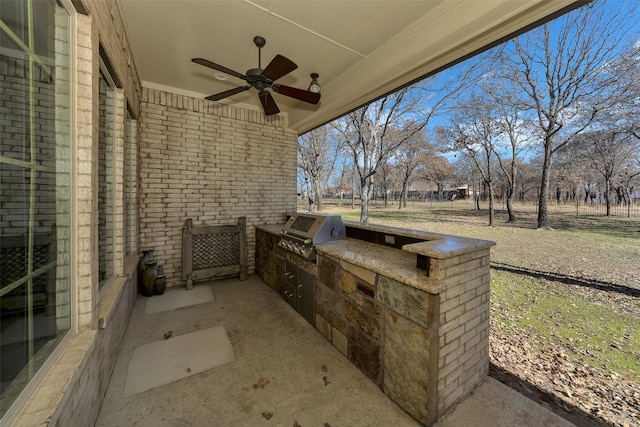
[128, 140]
[105, 180]
[44, 28]
[14, 350]
[35, 196]
[14, 107]
[14, 14]
[14, 215]
[44, 96]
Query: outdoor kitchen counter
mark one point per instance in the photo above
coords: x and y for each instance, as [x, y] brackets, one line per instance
[401, 264]
[271, 228]
[393, 263]
[435, 245]
[409, 308]
[398, 264]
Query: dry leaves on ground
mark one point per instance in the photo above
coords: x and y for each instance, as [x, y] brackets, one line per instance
[262, 383]
[591, 393]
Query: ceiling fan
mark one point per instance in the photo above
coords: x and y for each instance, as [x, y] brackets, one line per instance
[263, 80]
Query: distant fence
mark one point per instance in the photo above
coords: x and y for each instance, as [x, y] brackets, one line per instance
[595, 208]
[578, 207]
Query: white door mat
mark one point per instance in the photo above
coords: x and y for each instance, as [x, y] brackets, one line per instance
[179, 298]
[166, 361]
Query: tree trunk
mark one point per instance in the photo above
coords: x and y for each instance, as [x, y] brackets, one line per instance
[511, 190]
[543, 218]
[365, 194]
[510, 211]
[586, 194]
[491, 210]
[384, 195]
[403, 194]
[317, 193]
[353, 190]
[607, 198]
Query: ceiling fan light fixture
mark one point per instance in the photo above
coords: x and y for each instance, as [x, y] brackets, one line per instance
[314, 86]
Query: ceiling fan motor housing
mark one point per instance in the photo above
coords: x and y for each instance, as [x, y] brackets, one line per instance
[257, 80]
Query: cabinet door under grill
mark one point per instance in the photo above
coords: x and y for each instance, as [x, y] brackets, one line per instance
[306, 296]
[300, 291]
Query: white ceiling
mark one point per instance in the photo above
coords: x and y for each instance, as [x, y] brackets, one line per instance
[362, 49]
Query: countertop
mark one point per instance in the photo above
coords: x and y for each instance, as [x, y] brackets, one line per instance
[436, 245]
[271, 228]
[393, 263]
[397, 264]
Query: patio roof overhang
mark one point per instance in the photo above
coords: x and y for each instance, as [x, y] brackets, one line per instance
[362, 49]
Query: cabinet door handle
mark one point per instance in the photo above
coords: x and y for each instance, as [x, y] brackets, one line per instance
[300, 291]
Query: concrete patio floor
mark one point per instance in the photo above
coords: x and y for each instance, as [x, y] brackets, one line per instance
[284, 374]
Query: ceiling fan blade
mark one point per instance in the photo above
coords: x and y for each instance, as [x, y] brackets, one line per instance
[301, 94]
[218, 67]
[278, 67]
[226, 93]
[268, 104]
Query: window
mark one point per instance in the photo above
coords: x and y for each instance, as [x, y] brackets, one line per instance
[130, 150]
[106, 176]
[35, 189]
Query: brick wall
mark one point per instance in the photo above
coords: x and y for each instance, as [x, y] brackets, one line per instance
[464, 324]
[211, 163]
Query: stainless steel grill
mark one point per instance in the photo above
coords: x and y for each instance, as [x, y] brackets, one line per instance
[303, 231]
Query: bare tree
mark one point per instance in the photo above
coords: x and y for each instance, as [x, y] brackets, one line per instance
[389, 184]
[514, 139]
[415, 153]
[374, 131]
[317, 154]
[528, 181]
[474, 132]
[562, 69]
[342, 181]
[628, 176]
[609, 152]
[438, 170]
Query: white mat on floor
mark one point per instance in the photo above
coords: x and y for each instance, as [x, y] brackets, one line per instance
[166, 361]
[178, 298]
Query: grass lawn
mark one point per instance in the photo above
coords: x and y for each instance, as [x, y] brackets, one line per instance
[594, 332]
[572, 293]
